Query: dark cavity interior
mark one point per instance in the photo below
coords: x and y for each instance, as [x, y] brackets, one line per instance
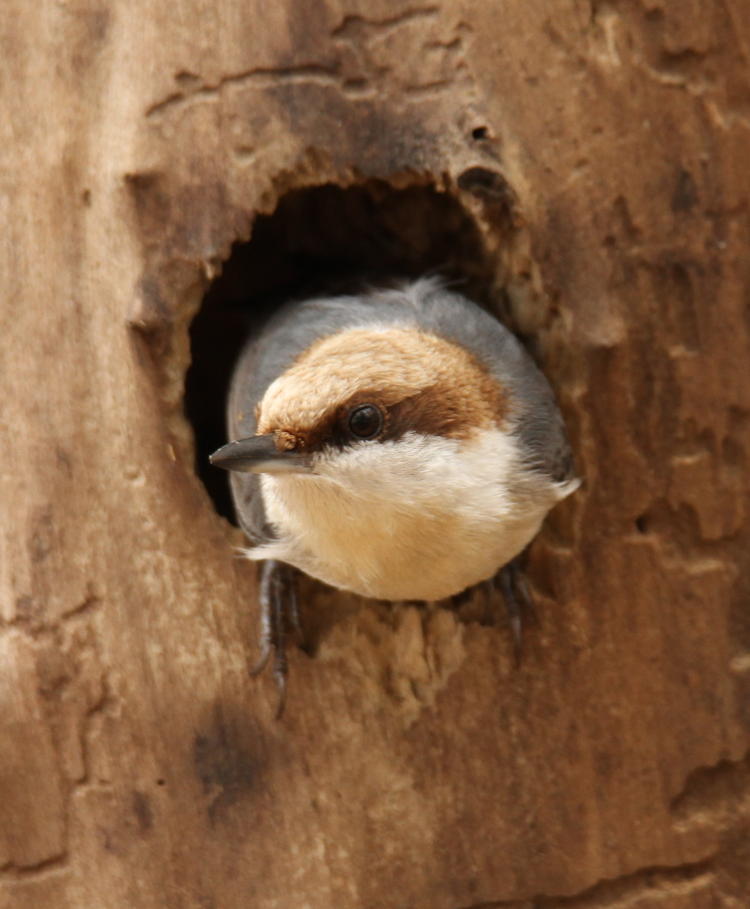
[325, 239]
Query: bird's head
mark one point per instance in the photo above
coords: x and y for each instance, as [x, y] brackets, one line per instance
[371, 410]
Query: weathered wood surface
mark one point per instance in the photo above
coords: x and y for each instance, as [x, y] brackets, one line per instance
[139, 765]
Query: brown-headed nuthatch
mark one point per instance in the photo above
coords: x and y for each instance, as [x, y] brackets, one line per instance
[399, 444]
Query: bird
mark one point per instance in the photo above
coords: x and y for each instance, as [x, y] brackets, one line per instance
[398, 443]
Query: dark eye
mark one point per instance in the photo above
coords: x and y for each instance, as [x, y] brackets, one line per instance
[365, 421]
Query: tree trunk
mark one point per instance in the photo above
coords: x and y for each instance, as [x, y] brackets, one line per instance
[585, 166]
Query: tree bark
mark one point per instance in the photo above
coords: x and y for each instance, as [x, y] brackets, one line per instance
[599, 152]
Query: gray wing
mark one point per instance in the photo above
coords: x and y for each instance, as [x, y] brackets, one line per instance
[426, 304]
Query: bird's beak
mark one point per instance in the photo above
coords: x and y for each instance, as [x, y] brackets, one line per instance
[259, 454]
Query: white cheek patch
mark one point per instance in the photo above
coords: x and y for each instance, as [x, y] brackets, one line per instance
[426, 471]
[414, 464]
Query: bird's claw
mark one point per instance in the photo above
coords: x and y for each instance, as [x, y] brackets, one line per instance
[517, 600]
[278, 607]
[518, 604]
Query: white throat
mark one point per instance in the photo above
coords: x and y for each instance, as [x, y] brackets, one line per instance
[421, 518]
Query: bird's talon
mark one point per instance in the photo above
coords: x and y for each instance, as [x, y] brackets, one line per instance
[517, 602]
[281, 693]
[278, 607]
[260, 663]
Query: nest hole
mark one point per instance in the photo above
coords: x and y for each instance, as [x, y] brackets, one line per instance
[324, 239]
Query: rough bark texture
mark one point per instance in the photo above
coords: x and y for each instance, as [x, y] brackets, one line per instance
[599, 151]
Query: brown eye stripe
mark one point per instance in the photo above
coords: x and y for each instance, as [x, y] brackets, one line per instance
[445, 410]
[437, 411]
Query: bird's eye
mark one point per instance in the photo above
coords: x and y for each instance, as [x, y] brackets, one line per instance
[365, 421]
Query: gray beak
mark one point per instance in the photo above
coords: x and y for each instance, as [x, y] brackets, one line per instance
[259, 454]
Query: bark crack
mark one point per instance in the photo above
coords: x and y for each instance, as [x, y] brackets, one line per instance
[687, 879]
[718, 792]
[363, 64]
[312, 73]
[51, 865]
[356, 22]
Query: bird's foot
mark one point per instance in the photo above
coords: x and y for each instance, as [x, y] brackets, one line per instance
[518, 604]
[279, 611]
